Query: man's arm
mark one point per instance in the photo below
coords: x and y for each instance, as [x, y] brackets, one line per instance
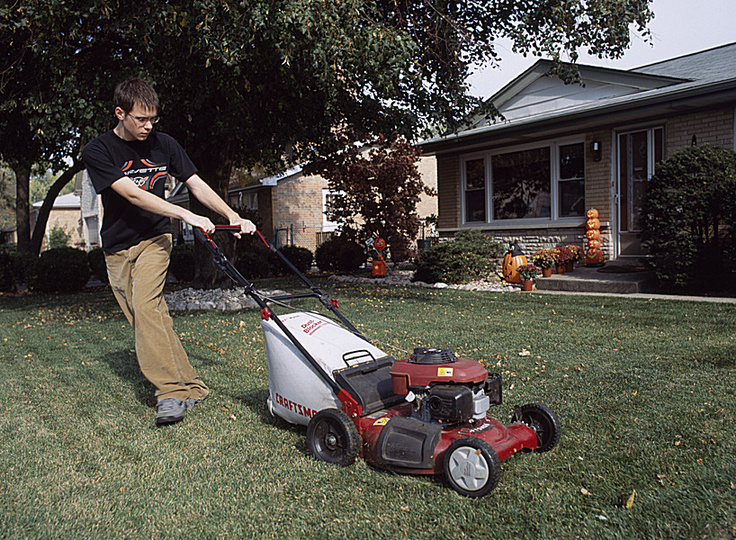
[125, 187]
[207, 196]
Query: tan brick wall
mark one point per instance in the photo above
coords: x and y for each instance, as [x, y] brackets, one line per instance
[67, 219]
[298, 203]
[709, 127]
[427, 205]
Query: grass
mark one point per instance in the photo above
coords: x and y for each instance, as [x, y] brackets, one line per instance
[644, 390]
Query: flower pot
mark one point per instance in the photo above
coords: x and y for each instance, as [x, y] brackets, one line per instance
[527, 285]
[560, 268]
[546, 272]
[569, 267]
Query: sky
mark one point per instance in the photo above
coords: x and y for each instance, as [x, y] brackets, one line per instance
[679, 27]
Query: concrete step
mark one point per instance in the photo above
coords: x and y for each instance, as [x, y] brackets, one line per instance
[606, 279]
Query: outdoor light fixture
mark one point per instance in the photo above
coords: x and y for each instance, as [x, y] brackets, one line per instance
[595, 147]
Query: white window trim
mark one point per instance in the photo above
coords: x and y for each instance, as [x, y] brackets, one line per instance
[554, 218]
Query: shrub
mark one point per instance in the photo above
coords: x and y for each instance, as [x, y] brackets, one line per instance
[689, 218]
[63, 269]
[96, 260]
[7, 276]
[252, 264]
[58, 237]
[340, 254]
[298, 256]
[25, 268]
[182, 263]
[471, 255]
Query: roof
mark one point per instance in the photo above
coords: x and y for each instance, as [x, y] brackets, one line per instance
[536, 104]
[70, 200]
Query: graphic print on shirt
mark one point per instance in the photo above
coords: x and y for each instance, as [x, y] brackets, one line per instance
[145, 174]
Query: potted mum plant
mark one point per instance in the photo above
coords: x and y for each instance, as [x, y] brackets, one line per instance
[528, 273]
[577, 255]
[562, 256]
[543, 259]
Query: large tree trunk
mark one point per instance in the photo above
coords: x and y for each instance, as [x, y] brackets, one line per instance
[39, 229]
[215, 169]
[22, 206]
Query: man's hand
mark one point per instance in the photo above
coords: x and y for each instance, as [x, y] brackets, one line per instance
[246, 226]
[201, 222]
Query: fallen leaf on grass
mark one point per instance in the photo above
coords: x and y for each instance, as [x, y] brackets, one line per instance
[524, 352]
[585, 491]
[630, 500]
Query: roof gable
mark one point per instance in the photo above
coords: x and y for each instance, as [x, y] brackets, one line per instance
[536, 91]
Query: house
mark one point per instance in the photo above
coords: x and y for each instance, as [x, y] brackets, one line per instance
[561, 149]
[66, 214]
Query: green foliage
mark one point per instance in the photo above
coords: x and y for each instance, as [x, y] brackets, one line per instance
[25, 268]
[689, 224]
[471, 255]
[58, 237]
[7, 277]
[63, 269]
[298, 256]
[96, 260]
[340, 254]
[253, 264]
[182, 263]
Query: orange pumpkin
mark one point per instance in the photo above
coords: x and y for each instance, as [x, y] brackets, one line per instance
[593, 224]
[379, 244]
[594, 257]
[513, 259]
[594, 244]
[592, 234]
[592, 213]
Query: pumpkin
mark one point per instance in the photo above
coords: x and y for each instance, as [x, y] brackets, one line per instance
[513, 259]
[379, 244]
[592, 214]
[592, 234]
[594, 244]
[594, 257]
[593, 224]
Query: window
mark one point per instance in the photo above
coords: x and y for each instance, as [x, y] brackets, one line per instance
[571, 181]
[542, 183]
[521, 187]
[475, 190]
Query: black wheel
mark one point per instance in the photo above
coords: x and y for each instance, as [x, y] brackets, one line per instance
[545, 424]
[472, 467]
[332, 437]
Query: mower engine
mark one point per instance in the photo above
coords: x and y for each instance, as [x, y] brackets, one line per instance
[444, 388]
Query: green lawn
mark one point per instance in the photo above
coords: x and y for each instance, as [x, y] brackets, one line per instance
[645, 391]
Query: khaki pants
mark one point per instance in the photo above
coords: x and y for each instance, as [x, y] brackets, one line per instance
[137, 277]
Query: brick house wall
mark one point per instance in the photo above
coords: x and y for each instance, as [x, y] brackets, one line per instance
[709, 127]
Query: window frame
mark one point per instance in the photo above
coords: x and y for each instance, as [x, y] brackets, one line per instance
[487, 156]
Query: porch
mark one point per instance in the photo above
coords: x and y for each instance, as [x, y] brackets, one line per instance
[610, 278]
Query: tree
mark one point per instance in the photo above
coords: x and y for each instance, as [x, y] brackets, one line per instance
[246, 82]
[377, 191]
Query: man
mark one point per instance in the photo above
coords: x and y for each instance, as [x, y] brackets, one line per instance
[128, 166]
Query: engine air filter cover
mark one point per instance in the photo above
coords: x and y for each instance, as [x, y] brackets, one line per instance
[427, 355]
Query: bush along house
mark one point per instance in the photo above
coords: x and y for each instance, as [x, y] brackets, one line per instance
[561, 149]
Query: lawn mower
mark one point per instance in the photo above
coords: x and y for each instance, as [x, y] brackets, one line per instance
[424, 414]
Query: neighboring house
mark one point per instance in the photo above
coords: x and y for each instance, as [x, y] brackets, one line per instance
[562, 149]
[65, 215]
[291, 206]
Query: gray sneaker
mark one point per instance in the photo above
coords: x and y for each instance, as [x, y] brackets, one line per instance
[191, 402]
[169, 411]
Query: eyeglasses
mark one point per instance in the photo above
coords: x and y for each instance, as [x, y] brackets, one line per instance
[143, 120]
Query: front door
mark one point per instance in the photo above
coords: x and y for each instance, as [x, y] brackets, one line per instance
[638, 152]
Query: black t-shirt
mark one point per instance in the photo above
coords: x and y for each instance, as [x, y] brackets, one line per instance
[108, 158]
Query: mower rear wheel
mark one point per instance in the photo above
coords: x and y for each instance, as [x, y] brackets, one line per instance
[332, 437]
[472, 467]
[545, 424]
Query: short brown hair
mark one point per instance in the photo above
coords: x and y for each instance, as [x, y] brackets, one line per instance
[133, 91]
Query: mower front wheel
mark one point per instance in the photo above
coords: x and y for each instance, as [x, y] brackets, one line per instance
[332, 437]
[472, 467]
